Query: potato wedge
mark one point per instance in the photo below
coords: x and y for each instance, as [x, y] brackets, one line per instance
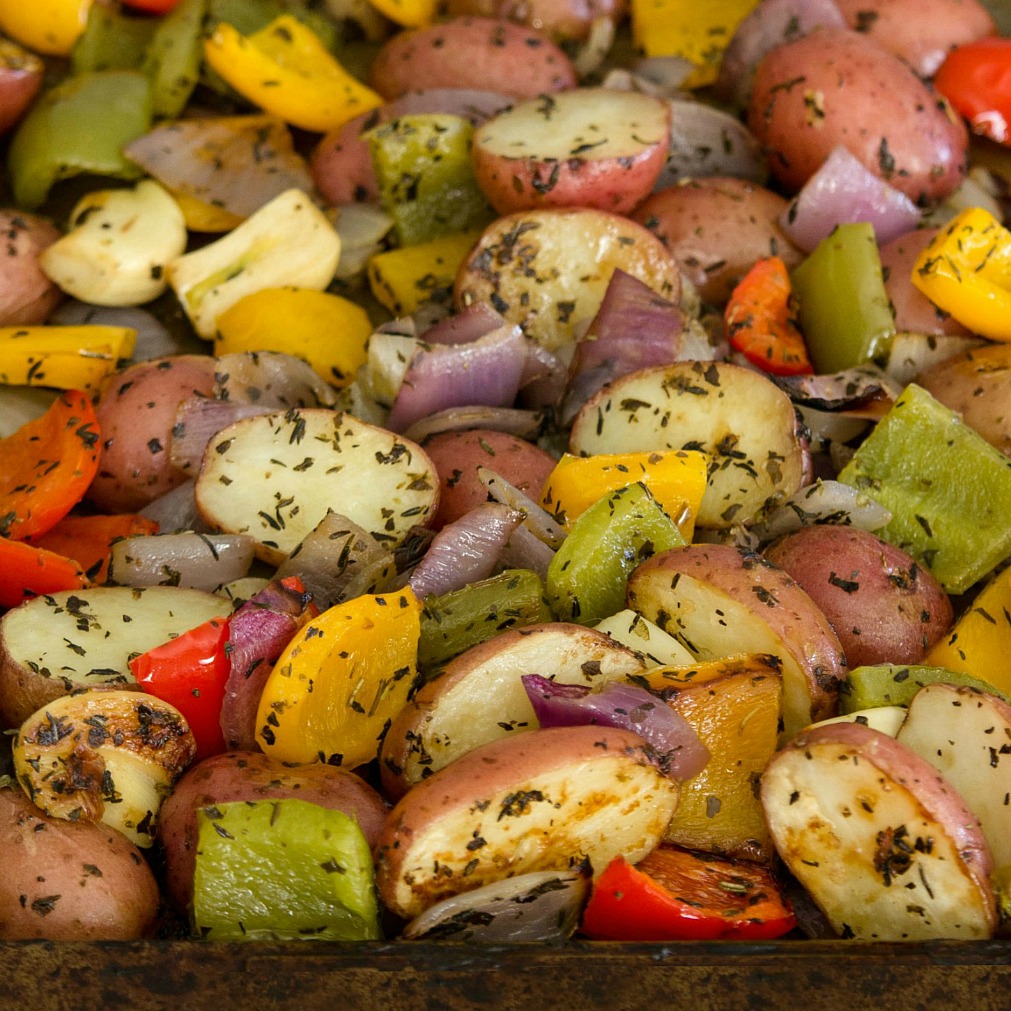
[480, 697]
[276, 476]
[718, 600]
[54, 644]
[547, 270]
[966, 735]
[104, 755]
[546, 800]
[882, 843]
[743, 421]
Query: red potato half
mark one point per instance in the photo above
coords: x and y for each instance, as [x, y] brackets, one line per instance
[252, 776]
[879, 839]
[837, 87]
[718, 600]
[966, 735]
[136, 412]
[27, 296]
[457, 457]
[70, 880]
[884, 607]
[547, 270]
[717, 227]
[471, 52]
[563, 21]
[546, 800]
[589, 147]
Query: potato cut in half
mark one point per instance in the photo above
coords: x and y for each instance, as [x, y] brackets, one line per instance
[275, 477]
[104, 755]
[734, 707]
[54, 644]
[719, 600]
[743, 421]
[588, 147]
[966, 735]
[883, 844]
[479, 696]
[547, 269]
[546, 800]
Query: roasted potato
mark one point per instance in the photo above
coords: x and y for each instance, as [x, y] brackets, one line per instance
[27, 296]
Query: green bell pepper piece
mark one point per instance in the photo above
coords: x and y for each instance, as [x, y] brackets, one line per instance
[174, 57]
[895, 685]
[844, 310]
[282, 870]
[462, 618]
[79, 126]
[948, 489]
[111, 41]
[426, 178]
[588, 577]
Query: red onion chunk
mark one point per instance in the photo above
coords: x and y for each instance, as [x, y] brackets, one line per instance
[681, 755]
[198, 420]
[535, 517]
[525, 550]
[465, 550]
[195, 561]
[270, 379]
[770, 24]
[843, 192]
[473, 321]
[483, 372]
[512, 420]
[176, 511]
[257, 635]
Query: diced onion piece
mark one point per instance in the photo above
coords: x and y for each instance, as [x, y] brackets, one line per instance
[824, 502]
[524, 424]
[535, 517]
[270, 379]
[195, 561]
[176, 510]
[198, 420]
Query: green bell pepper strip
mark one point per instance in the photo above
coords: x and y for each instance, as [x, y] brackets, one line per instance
[174, 57]
[111, 41]
[844, 310]
[79, 126]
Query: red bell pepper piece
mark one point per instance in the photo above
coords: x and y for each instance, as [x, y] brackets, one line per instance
[151, 6]
[190, 673]
[676, 895]
[761, 322]
[976, 79]
[27, 570]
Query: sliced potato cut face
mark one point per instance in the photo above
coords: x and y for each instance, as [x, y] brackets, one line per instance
[276, 476]
[745, 423]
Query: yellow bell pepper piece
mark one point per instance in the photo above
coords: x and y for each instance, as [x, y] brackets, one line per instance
[980, 641]
[62, 357]
[402, 279]
[697, 32]
[966, 271]
[675, 478]
[407, 13]
[286, 70]
[201, 216]
[341, 680]
[49, 27]
[327, 331]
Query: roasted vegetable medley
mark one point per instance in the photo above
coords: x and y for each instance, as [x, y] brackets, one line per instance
[497, 472]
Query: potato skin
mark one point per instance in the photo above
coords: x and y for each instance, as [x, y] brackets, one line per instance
[568, 20]
[884, 607]
[920, 32]
[717, 227]
[251, 775]
[136, 412]
[471, 52]
[837, 87]
[458, 455]
[27, 296]
[977, 384]
[70, 881]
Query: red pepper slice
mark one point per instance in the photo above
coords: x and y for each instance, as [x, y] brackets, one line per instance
[761, 323]
[190, 673]
[27, 571]
[151, 6]
[976, 79]
[676, 895]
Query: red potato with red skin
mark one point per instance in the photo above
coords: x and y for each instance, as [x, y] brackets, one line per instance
[589, 147]
[27, 296]
[471, 52]
[251, 775]
[21, 75]
[136, 412]
[920, 32]
[457, 457]
[341, 163]
[70, 880]
[568, 20]
[838, 87]
[717, 227]
[884, 607]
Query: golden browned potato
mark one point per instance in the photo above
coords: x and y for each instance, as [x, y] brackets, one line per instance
[70, 880]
